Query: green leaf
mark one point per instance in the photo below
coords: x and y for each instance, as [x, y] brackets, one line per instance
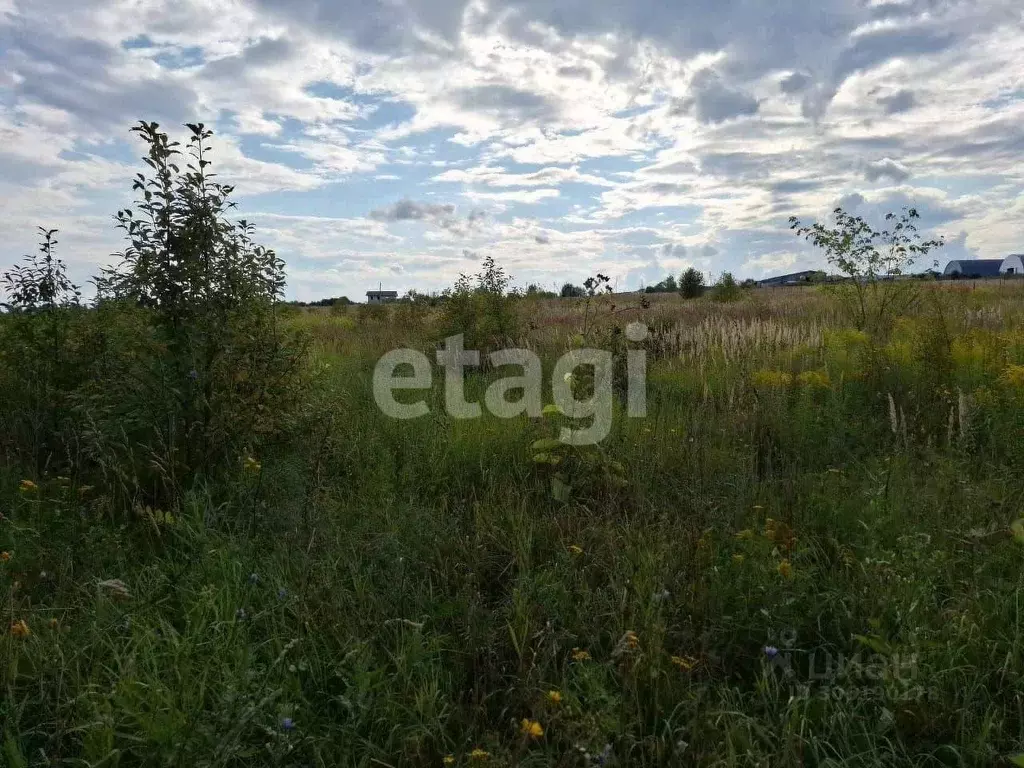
[546, 444]
[1017, 759]
[552, 410]
[15, 758]
[1017, 529]
[560, 490]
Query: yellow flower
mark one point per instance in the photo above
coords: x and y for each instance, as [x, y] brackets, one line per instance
[20, 629]
[738, 558]
[576, 550]
[27, 486]
[449, 760]
[786, 569]
[531, 728]
[814, 379]
[555, 697]
[1014, 376]
[5, 557]
[746, 533]
[771, 379]
[54, 624]
[251, 465]
[578, 654]
[631, 639]
[479, 754]
[685, 663]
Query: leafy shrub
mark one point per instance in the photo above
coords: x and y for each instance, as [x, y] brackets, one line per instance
[483, 308]
[726, 289]
[39, 361]
[872, 261]
[181, 369]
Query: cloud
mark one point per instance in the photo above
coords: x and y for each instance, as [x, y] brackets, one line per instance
[795, 82]
[711, 101]
[596, 135]
[901, 101]
[886, 167]
[410, 210]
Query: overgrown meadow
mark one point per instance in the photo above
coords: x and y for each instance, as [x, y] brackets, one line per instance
[217, 551]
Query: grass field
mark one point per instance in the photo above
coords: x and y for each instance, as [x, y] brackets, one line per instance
[805, 555]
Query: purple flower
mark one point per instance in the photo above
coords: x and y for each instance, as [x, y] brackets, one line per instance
[282, 593]
[193, 374]
[254, 578]
[771, 651]
[287, 723]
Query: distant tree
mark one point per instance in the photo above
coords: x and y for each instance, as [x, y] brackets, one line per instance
[668, 285]
[570, 291]
[691, 284]
[726, 289]
[534, 291]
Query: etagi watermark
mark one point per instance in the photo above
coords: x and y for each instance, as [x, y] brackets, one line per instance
[454, 359]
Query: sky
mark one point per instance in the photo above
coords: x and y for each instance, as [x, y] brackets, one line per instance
[396, 143]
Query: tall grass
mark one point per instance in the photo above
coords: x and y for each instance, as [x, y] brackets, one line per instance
[409, 592]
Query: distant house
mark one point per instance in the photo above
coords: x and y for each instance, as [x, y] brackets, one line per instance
[796, 278]
[973, 268]
[1012, 265]
[381, 297]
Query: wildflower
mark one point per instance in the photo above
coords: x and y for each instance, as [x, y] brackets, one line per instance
[282, 593]
[576, 550]
[20, 629]
[449, 760]
[771, 379]
[786, 569]
[578, 654]
[771, 651]
[631, 640]
[5, 557]
[738, 558]
[555, 697]
[479, 754]
[241, 615]
[54, 624]
[814, 379]
[287, 724]
[1014, 376]
[531, 728]
[193, 374]
[254, 578]
[779, 533]
[660, 597]
[685, 663]
[27, 486]
[249, 464]
[745, 534]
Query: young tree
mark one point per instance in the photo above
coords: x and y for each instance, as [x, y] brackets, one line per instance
[691, 284]
[726, 289]
[570, 291]
[872, 260]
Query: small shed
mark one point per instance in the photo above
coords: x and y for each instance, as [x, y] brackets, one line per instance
[381, 297]
[973, 268]
[1013, 265]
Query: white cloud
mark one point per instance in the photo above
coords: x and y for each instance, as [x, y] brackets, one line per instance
[568, 121]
